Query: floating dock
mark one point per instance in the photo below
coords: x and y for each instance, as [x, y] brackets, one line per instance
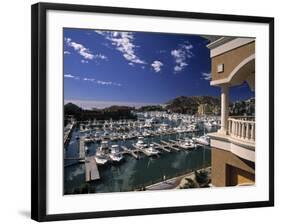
[133, 153]
[91, 169]
[82, 148]
[159, 146]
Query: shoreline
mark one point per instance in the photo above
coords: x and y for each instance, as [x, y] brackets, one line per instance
[174, 182]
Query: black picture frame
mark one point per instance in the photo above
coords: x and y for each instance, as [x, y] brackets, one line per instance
[39, 122]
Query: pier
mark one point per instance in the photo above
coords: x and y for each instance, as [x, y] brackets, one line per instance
[176, 143]
[91, 169]
[82, 148]
[133, 153]
[67, 133]
[171, 145]
[159, 146]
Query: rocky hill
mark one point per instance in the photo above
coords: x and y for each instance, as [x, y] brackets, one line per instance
[190, 104]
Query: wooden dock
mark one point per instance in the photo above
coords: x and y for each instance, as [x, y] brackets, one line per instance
[161, 147]
[171, 145]
[176, 143]
[91, 169]
[137, 149]
[81, 148]
[133, 153]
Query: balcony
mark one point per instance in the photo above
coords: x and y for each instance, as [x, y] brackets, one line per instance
[242, 128]
[238, 139]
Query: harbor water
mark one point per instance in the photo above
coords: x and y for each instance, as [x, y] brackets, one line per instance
[133, 174]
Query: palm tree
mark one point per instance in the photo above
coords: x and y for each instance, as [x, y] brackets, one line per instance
[189, 184]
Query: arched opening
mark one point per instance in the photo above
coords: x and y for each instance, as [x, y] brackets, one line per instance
[244, 71]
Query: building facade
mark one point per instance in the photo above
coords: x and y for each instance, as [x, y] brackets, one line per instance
[233, 146]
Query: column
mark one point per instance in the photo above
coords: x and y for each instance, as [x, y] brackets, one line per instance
[224, 108]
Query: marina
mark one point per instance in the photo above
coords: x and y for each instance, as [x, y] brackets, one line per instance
[98, 150]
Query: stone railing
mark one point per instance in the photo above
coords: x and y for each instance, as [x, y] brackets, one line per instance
[242, 127]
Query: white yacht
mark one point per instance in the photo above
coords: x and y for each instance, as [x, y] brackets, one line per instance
[204, 140]
[140, 143]
[146, 133]
[104, 147]
[163, 127]
[151, 151]
[187, 143]
[86, 149]
[101, 157]
[115, 154]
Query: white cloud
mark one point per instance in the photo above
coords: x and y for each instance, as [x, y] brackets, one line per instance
[83, 51]
[84, 61]
[66, 52]
[123, 42]
[101, 82]
[206, 76]
[89, 79]
[71, 76]
[156, 65]
[181, 54]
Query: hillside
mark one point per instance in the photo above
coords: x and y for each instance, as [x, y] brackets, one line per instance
[189, 104]
[113, 112]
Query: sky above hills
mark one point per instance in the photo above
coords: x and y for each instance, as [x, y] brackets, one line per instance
[102, 68]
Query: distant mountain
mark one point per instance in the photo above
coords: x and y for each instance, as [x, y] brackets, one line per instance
[190, 104]
[71, 109]
[115, 108]
[112, 112]
[151, 108]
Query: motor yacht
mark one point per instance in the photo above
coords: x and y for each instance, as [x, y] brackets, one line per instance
[115, 154]
[140, 143]
[204, 140]
[151, 151]
[187, 143]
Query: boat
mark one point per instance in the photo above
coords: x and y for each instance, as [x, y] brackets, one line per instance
[140, 143]
[187, 143]
[151, 151]
[115, 154]
[163, 127]
[101, 157]
[204, 140]
[104, 147]
[146, 133]
[86, 148]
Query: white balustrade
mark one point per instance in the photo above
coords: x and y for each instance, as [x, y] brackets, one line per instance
[242, 128]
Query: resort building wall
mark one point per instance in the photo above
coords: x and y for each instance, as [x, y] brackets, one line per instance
[233, 146]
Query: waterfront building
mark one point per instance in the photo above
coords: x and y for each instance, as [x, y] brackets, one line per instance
[204, 109]
[233, 146]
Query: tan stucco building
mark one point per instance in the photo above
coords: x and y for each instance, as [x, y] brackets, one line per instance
[233, 146]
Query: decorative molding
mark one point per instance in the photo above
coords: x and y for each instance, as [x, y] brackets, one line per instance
[237, 148]
[221, 46]
[234, 71]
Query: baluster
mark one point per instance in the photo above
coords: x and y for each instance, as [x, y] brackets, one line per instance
[238, 129]
[252, 131]
[242, 130]
[247, 131]
[233, 127]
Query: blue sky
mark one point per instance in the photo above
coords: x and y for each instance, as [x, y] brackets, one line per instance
[137, 68]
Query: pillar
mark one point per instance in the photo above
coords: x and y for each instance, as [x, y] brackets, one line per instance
[224, 108]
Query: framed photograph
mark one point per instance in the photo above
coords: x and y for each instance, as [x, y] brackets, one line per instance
[138, 111]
